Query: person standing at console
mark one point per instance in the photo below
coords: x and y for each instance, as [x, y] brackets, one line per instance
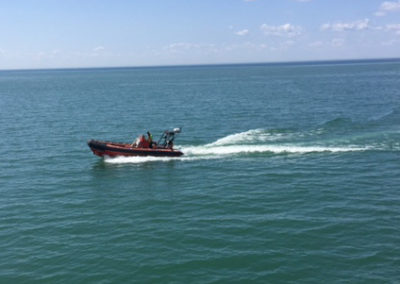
[150, 139]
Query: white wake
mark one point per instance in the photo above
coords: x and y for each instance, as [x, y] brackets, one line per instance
[249, 137]
[276, 149]
[252, 141]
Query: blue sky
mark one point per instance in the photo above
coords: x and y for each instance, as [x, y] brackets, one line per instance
[96, 33]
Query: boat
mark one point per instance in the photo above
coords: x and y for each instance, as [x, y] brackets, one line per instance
[140, 147]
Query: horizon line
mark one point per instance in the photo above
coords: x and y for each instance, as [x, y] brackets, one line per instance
[294, 62]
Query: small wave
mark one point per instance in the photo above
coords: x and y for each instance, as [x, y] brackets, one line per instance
[392, 116]
[338, 122]
[251, 136]
[384, 115]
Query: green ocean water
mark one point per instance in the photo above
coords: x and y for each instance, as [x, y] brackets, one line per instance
[291, 174]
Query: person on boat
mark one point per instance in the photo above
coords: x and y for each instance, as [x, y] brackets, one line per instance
[170, 139]
[142, 142]
[150, 139]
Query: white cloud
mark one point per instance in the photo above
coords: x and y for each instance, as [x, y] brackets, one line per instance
[316, 44]
[393, 27]
[179, 47]
[379, 14]
[245, 46]
[387, 7]
[286, 30]
[350, 26]
[242, 32]
[55, 52]
[389, 42]
[98, 49]
[337, 42]
[289, 43]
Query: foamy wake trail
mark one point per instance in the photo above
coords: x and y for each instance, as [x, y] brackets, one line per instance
[248, 137]
[136, 160]
[276, 149]
[252, 141]
[217, 152]
[140, 160]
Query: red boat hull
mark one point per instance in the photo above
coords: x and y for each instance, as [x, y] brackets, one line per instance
[112, 149]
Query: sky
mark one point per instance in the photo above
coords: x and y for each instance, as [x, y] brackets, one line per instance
[38, 34]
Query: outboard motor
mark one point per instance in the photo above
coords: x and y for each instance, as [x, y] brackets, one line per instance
[177, 130]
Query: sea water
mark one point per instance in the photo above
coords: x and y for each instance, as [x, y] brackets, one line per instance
[290, 173]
